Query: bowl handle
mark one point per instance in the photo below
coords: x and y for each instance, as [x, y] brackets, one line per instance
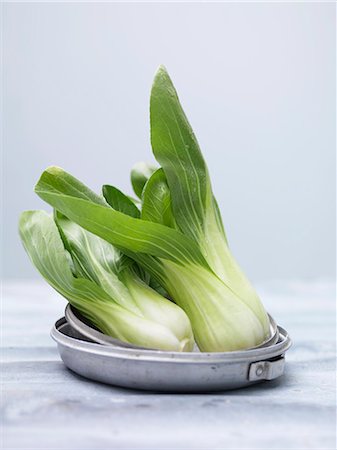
[266, 370]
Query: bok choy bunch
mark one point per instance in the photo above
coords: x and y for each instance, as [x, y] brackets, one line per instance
[194, 206]
[178, 238]
[103, 284]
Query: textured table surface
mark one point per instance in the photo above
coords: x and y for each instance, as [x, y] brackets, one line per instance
[47, 406]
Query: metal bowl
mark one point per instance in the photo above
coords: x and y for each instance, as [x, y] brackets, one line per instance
[85, 328]
[169, 371]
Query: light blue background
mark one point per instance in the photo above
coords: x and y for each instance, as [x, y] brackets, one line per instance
[257, 82]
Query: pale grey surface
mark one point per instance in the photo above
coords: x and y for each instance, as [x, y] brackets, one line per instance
[257, 82]
[46, 406]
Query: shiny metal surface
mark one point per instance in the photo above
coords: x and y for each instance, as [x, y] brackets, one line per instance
[83, 326]
[169, 371]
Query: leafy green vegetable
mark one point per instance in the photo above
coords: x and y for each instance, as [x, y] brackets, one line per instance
[220, 319]
[178, 238]
[140, 173]
[156, 206]
[127, 233]
[119, 201]
[194, 207]
[103, 284]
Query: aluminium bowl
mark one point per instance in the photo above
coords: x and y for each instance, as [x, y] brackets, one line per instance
[169, 371]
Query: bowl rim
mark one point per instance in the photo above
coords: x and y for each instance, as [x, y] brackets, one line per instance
[111, 351]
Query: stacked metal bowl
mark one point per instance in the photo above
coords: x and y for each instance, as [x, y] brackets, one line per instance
[94, 355]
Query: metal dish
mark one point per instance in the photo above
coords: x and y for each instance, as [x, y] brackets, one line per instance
[169, 371]
[83, 326]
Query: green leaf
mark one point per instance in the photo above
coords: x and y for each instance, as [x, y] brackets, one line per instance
[119, 201]
[177, 150]
[140, 173]
[156, 198]
[56, 180]
[126, 233]
[43, 244]
[97, 260]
